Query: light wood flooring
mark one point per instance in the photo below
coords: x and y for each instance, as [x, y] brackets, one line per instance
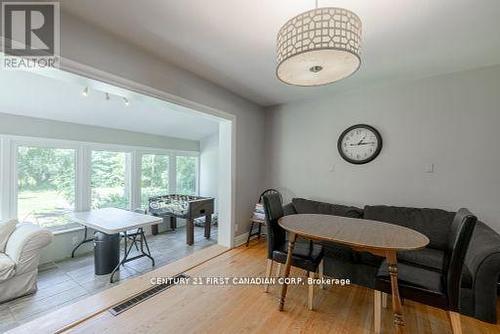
[247, 309]
[66, 282]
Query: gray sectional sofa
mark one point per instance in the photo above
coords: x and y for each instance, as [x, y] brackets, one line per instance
[482, 264]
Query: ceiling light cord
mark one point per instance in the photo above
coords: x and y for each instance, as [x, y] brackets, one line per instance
[316, 4]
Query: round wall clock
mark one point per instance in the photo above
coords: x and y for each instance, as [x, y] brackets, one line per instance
[359, 144]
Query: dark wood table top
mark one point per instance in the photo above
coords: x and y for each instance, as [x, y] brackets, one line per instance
[357, 233]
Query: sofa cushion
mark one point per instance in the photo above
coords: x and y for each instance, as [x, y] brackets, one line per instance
[7, 267]
[415, 283]
[338, 251]
[370, 259]
[413, 276]
[433, 223]
[288, 209]
[427, 258]
[305, 206]
[6, 229]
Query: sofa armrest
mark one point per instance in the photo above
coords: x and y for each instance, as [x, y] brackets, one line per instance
[24, 245]
[483, 261]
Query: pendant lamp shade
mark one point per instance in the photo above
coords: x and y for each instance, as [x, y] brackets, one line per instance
[319, 47]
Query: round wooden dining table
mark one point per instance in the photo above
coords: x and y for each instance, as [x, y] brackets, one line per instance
[378, 238]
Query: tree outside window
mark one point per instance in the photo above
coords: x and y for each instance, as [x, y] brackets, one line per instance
[108, 180]
[186, 174]
[46, 184]
[154, 176]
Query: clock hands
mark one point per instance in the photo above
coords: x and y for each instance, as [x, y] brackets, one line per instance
[361, 140]
[361, 143]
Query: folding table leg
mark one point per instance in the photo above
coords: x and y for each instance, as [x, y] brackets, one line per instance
[84, 241]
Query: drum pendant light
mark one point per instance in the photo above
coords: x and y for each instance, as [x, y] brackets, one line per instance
[319, 47]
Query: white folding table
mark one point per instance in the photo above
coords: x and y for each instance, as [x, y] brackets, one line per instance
[112, 222]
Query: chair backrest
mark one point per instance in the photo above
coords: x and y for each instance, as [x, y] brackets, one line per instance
[460, 235]
[269, 191]
[276, 235]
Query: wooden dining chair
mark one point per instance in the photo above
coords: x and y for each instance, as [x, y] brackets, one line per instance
[306, 254]
[438, 289]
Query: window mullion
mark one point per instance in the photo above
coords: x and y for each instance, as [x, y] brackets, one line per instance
[82, 188]
[172, 173]
[135, 179]
[7, 196]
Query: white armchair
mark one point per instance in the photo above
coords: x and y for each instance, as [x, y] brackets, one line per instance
[19, 261]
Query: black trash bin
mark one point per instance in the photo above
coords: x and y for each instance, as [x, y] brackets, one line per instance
[106, 252]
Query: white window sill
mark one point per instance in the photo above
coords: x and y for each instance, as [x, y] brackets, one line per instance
[62, 230]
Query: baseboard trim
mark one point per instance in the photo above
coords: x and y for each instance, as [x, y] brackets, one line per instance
[240, 239]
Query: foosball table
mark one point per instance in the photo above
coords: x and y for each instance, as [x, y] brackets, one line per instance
[182, 206]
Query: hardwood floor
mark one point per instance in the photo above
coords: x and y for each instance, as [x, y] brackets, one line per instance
[248, 309]
[68, 281]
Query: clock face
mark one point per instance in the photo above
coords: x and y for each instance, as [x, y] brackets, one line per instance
[359, 144]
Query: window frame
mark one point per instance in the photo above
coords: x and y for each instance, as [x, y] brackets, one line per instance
[9, 145]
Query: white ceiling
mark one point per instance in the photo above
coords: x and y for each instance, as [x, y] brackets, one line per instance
[232, 42]
[34, 95]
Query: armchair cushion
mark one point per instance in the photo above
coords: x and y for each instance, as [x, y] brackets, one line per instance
[7, 267]
[6, 229]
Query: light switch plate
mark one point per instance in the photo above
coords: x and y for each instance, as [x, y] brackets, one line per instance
[429, 168]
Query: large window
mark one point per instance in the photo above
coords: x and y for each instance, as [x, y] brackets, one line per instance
[186, 175]
[154, 176]
[109, 181]
[44, 180]
[46, 184]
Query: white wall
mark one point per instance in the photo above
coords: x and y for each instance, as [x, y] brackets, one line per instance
[94, 47]
[36, 127]
[209, 159]
[451, 121]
